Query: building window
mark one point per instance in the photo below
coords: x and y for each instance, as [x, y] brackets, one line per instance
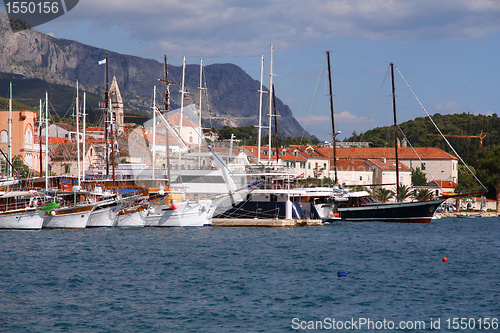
[67, 168]
[4, 137]
[360, 177]
[309, 166]
[28, 141]
[324, 165]
[423, 166]
[302, 165]
[190, 139]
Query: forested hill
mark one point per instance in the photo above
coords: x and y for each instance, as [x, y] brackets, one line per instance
[485, 160]
[419, 132]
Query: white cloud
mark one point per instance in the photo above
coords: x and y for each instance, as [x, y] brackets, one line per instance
[218, 26]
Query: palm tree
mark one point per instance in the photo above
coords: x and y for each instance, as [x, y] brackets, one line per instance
[404, 192]
[383, 194]
[423, 194]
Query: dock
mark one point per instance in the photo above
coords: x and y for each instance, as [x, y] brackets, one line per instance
[268, 223]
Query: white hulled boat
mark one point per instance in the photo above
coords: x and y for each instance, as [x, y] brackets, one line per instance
[20, 210]
[132, 214]
[104, 214]
[73, 217]
[196, 213]
[70, 214]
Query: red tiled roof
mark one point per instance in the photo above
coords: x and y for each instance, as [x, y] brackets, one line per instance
[378, 153]
[350, 165]
[388, 164]
[94, 129]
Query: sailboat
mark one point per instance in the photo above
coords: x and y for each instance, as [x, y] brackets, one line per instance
[163, 211]
[132, 212]
[71, 208]
[361, 206]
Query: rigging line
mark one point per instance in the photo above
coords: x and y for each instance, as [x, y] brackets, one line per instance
[430, 118]
[408, 141]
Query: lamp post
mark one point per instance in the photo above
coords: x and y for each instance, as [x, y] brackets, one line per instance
[335, 155]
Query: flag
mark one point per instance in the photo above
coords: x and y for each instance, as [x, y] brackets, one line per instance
[300, 176]
[102, 62]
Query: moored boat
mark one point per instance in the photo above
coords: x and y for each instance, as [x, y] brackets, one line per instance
[20, 210]
[132, 213]
[190, 213]
[103, 214]
[73, 217]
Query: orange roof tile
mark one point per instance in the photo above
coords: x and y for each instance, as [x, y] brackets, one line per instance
[378, 153]
[388, 165]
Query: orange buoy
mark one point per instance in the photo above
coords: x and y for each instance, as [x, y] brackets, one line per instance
[445, 259]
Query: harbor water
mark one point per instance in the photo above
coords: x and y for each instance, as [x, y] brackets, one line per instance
[222, 279]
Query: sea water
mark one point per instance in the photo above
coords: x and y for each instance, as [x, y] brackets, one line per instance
[254, 279]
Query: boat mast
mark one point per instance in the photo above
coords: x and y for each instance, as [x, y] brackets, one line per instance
[154, 135]
[84, 132]
[40, 137]
[111, 124]
[182, 105]
[276, 127]
[167, 107]
[46, 141]
[270, 102]
[334, 144]
[9, 129]
[260, 108]
[106, 116]
[77, 135]
[395, 131]
[199, 115]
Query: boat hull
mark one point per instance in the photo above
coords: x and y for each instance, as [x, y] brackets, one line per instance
[131, 218]
[22, 219]
[68, 218]
[188, 214]
[406, 212]
[103, 215]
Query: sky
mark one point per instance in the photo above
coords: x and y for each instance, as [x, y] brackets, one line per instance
[448, 51]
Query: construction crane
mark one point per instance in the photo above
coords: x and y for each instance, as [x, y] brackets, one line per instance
[480, 136]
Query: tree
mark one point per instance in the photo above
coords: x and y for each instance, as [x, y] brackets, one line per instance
[489, 171]
[20, 167]
[422, 194]
[466, 180]
[418, 177]
[404, 192]
[383, 194]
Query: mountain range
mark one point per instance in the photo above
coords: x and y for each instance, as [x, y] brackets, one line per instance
[231, 99]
